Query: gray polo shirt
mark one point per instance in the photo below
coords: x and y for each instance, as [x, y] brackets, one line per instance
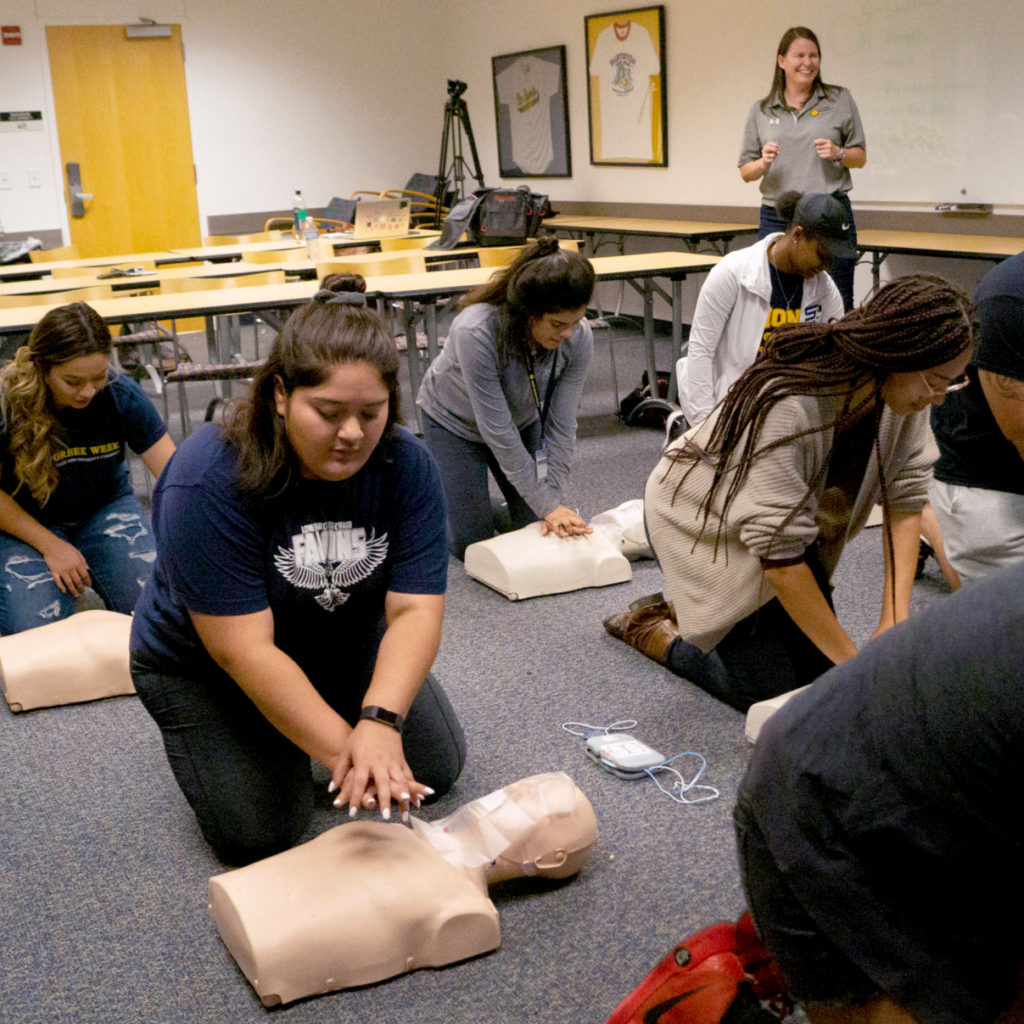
[798, 166]
[470, 394]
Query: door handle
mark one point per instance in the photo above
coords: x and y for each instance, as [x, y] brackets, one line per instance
[78, 197]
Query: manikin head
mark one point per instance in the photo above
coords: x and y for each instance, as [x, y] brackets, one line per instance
[542, 826]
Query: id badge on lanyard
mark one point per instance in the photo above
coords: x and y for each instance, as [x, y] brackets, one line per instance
[540, 460]
[540, 456]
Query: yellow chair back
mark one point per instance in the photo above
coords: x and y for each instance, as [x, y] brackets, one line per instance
[373, 264]
[255, 236]
[276, 256]
[62, 252]
[97, 270]
[199, 284]
[100, 291]
[412, 242]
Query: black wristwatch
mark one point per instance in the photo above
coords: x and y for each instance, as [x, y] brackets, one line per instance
[376, 714]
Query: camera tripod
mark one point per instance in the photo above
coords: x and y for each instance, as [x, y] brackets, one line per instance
[456, 120]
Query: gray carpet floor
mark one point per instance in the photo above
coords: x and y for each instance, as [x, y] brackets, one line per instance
[103, 873]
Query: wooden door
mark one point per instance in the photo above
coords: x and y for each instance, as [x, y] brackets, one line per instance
[122, 116]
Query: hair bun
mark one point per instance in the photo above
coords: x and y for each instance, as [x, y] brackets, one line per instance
[342, 289]
[547, 244]
[344, 283]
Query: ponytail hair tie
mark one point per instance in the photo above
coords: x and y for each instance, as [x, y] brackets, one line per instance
[328, 298]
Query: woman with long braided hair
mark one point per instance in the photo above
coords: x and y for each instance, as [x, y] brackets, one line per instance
[748, 512]
[68, 517]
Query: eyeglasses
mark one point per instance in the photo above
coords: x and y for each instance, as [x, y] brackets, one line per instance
[954, 385]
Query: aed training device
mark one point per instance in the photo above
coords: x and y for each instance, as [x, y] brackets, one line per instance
[622, 755]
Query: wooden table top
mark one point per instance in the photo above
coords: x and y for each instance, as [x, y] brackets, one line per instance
[13, 271]
[134, 308]
[650, 226]
[210, 302]
[233, 250]
[152, 278]
[607, 268]
[935, 243]
[235, 268]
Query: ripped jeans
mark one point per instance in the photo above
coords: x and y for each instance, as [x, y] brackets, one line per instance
[118, 545]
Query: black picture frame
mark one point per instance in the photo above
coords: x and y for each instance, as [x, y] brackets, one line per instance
[622, 47]
[527, 86]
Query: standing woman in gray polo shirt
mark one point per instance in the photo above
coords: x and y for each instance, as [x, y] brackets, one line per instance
[502, 396]
[804, 136]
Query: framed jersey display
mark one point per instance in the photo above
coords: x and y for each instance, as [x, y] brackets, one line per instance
[626, 97]
[531, 106]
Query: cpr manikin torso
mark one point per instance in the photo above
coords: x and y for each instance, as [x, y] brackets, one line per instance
[82, 657]
[524, 564]
[368, 900]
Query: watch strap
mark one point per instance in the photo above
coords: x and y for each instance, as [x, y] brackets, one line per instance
[378, 714]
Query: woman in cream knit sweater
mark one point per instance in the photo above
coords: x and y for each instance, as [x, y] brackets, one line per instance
[748, 512]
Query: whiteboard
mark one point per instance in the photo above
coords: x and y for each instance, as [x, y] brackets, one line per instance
[940, 88]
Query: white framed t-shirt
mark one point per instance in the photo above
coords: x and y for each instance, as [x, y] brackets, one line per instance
[623, 61]
[526, 87]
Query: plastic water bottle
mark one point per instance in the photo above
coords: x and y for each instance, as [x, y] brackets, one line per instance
[298, 213]
[309, 233]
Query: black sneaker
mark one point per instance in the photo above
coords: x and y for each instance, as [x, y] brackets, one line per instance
[923, 554]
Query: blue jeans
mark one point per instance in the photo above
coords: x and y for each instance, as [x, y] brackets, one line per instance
[842, 269]
[464, 466]
[116, 542]
[251, 788]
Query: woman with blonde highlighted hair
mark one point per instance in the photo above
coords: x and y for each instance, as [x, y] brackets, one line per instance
[68, 517]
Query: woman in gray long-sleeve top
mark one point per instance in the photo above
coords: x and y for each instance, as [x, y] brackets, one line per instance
[503, 395]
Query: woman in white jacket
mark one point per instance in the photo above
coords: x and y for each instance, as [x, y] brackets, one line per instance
[781, 279]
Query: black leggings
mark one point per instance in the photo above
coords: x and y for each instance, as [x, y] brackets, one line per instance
[763, 655]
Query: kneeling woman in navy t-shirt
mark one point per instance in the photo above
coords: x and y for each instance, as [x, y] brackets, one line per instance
[68, 516]
[295, 608]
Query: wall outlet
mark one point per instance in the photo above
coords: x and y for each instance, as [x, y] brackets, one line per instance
[5, 179]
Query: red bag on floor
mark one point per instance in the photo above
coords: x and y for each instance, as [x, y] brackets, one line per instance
[721, 975]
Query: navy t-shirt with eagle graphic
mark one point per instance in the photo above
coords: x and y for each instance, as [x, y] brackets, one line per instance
[322, 557]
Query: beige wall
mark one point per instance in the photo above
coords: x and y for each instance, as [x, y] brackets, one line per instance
[332, 95]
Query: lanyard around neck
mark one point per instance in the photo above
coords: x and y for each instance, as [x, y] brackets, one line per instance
[542, 411]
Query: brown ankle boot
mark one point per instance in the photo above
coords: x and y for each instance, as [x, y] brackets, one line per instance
[654, 601]
[648, 629]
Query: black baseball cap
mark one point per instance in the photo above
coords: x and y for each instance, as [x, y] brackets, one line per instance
[824, 216]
